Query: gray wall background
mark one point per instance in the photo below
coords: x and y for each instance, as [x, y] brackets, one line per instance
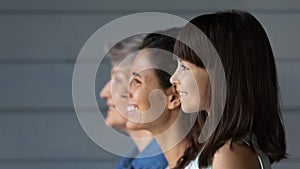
[39, 43]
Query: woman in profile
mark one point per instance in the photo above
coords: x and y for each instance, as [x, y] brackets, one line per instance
[228, 57]
[155, 104]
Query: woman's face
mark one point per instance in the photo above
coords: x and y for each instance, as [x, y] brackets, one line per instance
[147, 98]
[116, 94]
[192, 83]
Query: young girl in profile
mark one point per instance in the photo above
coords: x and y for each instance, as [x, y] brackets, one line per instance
[245, 129]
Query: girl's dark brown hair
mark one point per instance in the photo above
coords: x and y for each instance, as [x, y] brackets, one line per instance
[252, 101]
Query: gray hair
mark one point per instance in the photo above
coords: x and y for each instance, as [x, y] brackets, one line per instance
[118, 52]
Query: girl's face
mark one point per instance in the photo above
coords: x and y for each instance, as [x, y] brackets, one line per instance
[148, 100]
[192, 83]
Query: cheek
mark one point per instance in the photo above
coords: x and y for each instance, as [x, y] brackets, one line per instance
[204, 91]
[189, 83]
[203, 87]
[121, 105]
[117, 93]
[142, 99]
[191, 101]
[120, 99]
[138, 93]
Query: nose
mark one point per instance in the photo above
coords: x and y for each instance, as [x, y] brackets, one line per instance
[174, 79]
[106, 91]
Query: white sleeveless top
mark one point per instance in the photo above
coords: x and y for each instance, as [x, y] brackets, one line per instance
[263, 161]
[262, 157]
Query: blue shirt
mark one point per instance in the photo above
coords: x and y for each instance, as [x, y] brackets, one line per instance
[145, 160]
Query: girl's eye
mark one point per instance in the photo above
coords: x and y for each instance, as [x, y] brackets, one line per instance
[183, 67]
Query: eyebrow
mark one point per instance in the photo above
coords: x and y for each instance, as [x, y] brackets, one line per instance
[136, 74]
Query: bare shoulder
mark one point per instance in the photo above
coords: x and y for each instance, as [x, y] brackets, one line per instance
[236, 157]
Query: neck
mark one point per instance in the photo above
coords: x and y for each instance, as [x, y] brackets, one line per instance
[172, 141]
[141, 138]
[174, 154]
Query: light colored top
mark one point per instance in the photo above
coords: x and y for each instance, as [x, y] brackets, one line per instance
[262, 157]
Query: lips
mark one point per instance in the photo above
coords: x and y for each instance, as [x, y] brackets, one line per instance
[132, 108]
[110, 105]
[111, 109]
[182, 93]
[132, 114]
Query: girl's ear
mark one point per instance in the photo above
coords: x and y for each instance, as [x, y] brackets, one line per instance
[173, 98]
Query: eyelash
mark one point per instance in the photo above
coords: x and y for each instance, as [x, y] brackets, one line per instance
[184, 67]
[124, 95]
[136, 81]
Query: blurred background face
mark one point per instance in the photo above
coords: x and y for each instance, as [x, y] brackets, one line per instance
[116, 94]
[192, 83]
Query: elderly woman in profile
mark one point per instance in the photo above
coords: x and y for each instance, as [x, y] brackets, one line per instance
[117, 102]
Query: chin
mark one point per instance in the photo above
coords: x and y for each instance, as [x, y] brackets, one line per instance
[113, 123]
[189, 109]
[134, 126]
[110, 123]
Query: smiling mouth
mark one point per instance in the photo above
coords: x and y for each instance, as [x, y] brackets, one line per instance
[131, 108]
[182, 93]
[111, 107]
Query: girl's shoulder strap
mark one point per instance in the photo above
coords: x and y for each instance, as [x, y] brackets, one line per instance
[250, 139]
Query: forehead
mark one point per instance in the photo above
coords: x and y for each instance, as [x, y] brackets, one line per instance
[117, 70]
[143, 66]
[142, 62]
[188, 63]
